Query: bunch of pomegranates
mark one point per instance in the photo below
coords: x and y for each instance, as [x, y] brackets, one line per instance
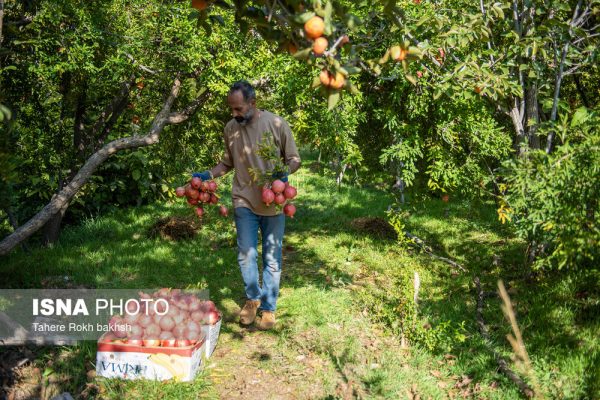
[175, 322]
[279, 193]
[199, 192]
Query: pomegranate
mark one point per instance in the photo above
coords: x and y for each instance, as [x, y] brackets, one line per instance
[204, 197]
[194, 304]
[204, 186]
[277, 186]
[191, 334]
[196, 182]
[136, 332]
[213, 317]
[279, 198]
[268, 196]
[180, 191]
[223, 211]
[131, 318]
[151, 342]
[171, 342]
[152, 331]
[178, 331]
[188, 190]
[145, 320]
[193, 326]
[166, 335]
[290, 192]
[194, 194]
[200, 212]
[289, 210]
[212, 186]
[192, 202]
[166, 323]
[213, 199]
[117, 326]
[182, 343]
[207, 306]
[197, 316]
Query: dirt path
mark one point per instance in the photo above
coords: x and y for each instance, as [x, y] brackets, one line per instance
[250, 364]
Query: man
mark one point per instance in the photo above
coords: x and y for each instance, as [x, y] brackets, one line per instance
[242, 136]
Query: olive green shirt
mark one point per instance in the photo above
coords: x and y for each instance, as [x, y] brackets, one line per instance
[241, 146]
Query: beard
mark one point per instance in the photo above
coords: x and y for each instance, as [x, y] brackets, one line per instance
[245, 120]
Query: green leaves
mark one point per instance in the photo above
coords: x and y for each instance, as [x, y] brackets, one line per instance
[332, 99]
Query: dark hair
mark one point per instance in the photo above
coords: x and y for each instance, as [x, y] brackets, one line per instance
[246, 89]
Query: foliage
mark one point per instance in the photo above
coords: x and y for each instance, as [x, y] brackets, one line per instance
[554, 197]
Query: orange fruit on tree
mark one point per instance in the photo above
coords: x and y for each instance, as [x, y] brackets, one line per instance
[324, 77]
[398, 53]
[314, 27]
[338, 81]
[320, 45]
[333, 81]
[200, 4]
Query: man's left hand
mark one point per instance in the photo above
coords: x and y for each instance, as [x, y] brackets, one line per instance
[282, 176]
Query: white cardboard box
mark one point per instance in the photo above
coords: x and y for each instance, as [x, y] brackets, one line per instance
[126, 361]
[118, 360]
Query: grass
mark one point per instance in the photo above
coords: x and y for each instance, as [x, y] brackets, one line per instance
[346, 296]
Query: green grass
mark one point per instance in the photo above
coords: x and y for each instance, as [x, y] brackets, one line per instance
[345, 298]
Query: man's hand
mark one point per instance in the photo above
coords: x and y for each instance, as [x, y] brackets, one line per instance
[204, 175]
[282, 176]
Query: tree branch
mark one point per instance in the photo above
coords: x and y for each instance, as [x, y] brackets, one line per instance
[179, 117]
[140, 66]
[559, 77]
[112, 106]
[1, 20]
[62, 198]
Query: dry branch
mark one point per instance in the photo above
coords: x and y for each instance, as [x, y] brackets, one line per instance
[502, 364]
[421, 244]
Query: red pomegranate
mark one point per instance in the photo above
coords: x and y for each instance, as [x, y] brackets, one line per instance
[180, 191]
[196, 182]
[289, 210]
[200, 212]
[223, 211]
[204, 197]
[290, 192]
[268, 196]
[279, 198]
[277, 186]
[212, 186]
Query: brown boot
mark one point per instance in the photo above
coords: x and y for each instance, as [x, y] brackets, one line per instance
[267, 321]
[248, 313]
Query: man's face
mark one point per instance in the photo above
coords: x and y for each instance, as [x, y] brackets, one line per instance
[242, 111]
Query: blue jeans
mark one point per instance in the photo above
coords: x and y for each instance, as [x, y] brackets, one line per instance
[247, 225]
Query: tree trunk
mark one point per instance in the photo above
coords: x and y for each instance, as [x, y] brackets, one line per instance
[52, 227]
[515, 116]
[340, 176]
[61, 200]
[1, 20]
[533, 116]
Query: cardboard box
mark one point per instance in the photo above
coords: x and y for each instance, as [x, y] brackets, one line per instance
[118, 360]
[211, 333]
[126, 361]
